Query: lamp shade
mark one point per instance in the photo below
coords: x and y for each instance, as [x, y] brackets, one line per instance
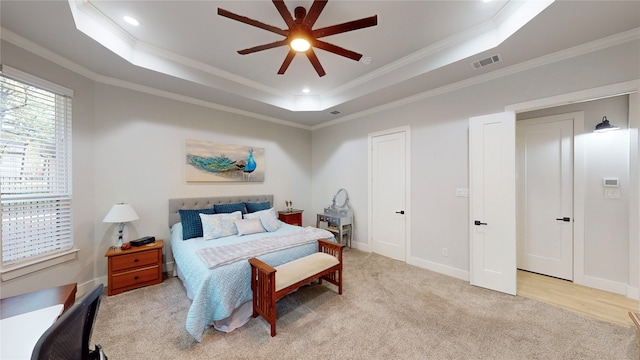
[120, 213]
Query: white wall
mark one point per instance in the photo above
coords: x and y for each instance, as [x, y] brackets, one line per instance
[140, 154]
[130, 146]
[439, 126]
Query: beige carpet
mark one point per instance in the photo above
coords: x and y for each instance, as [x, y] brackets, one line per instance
[388, 310]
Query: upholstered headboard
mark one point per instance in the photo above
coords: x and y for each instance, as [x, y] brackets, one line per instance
[208, 202]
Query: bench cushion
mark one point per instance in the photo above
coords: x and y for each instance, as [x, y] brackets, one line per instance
[299, 269]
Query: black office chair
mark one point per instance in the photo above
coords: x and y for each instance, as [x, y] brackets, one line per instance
[68, 338]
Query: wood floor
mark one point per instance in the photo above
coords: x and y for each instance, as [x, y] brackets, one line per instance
[599, 304]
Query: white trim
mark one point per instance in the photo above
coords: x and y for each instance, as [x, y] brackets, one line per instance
[634, 193]
[439, 268]
[601, 92]
[35, 81]
[607, 42]
[13, 271]
[614, 40]
[407, 131]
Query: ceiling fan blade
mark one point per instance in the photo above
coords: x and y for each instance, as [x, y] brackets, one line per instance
[314, 11]
[286, 62]
[344, 27]
[263, 47]
[284, 12]
[315, 62]
[248, 21]
[337, 50]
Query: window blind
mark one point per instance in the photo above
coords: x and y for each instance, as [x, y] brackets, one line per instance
[35, 170]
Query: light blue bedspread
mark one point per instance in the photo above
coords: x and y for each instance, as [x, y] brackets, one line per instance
[217, 292]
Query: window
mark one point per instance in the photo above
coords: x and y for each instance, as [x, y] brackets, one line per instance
[35, 167]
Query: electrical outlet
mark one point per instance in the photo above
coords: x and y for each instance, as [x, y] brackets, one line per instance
[445, 252]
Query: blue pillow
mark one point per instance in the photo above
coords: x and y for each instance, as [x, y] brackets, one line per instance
[253, 207]
[229, 208]
[191, 223]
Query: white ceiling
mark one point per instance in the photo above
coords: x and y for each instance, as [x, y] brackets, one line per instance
[185, 48]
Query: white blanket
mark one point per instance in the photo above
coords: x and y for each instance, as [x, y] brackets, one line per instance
[222, 255]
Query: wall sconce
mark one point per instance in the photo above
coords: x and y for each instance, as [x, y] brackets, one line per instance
[605, 126]
[120, 213]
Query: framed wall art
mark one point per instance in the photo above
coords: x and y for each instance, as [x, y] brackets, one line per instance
[209, 161]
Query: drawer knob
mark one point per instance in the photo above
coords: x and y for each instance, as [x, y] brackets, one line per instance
[135, 260]
[135, 278]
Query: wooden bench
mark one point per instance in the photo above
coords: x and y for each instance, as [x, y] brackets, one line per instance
[268, 287]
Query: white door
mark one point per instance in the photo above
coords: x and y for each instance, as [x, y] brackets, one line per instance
[492, 202]
[545, 195]
[388, 194]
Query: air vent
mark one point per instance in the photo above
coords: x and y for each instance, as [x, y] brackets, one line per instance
[335, 112]
[488, 61]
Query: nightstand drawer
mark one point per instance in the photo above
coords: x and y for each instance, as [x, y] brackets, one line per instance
[135, 267]
[136, 277]
[291, 217]
[129, 261]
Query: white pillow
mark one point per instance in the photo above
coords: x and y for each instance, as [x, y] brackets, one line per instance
[268, 218]
[249, 226]
[219, 225]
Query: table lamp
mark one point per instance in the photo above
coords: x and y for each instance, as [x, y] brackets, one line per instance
[120, 213]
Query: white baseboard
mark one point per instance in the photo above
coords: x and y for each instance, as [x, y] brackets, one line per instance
[608, 285]
[633, 292]
[361, 246]
[169, 268]
[439, 268]
[89, 285]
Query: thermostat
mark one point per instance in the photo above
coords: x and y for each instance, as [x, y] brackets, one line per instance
[613, 182]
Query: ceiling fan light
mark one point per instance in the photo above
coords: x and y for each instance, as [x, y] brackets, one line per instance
[300, 44]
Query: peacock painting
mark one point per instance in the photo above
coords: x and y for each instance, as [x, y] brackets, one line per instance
[207, 161]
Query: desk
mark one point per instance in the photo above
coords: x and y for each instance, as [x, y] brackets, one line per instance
[26, 317]
[20, 304]
[339, 224]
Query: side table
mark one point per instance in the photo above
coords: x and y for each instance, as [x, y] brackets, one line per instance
[291, 217]
[135, 267]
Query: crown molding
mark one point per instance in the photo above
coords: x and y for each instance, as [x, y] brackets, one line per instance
[604, 43]
[614, 40]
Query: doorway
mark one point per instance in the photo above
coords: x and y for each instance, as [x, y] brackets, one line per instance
[579, 275]
[389, 196]
[544, 194]
[586, 141]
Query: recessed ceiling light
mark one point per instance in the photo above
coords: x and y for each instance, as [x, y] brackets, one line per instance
[366, 60]
[305, 90]
[131, 21]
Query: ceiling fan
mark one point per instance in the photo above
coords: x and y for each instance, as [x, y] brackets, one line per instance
[300, 35]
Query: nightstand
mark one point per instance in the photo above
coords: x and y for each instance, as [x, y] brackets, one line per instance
[291, 217]
[135, 267]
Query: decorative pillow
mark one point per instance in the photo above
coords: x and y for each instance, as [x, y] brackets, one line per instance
[268, 218]
[229, 208]
[219, 225]
[191, 223]
[249, 226]
[257, 206]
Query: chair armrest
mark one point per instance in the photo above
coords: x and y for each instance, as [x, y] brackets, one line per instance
[261, 266]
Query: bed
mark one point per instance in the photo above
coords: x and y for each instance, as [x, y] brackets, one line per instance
[221, 296]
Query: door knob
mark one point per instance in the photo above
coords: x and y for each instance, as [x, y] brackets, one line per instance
[477, 222]
[566, 219]
[401, 212]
